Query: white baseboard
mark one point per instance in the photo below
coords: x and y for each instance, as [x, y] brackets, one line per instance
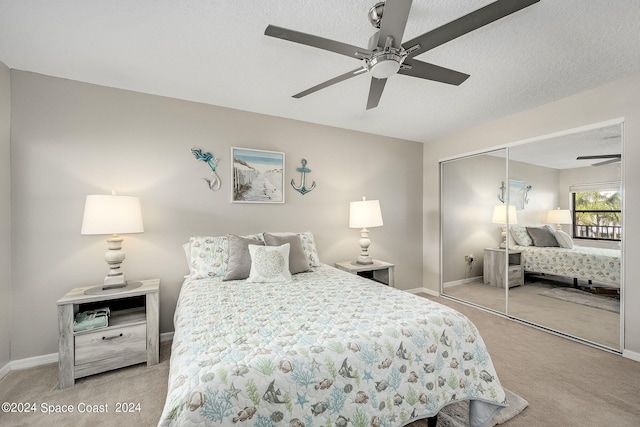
[4, 371]
[631, 355]
[463, 281]
[32, 362]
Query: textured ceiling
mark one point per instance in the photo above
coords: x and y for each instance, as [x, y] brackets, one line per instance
[215, 52]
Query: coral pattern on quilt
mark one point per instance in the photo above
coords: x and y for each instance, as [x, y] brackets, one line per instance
[597, 264]
[326, 349]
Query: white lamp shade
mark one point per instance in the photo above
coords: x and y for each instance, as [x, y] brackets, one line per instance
[365, 213]
[500, 214]
[559, 216]
[105, 214]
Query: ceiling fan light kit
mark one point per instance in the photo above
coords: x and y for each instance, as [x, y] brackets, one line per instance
[387, 54]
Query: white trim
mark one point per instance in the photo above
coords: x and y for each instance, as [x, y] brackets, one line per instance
[585, 128]
[5, 370]
[31, 362]
[462, 281]
[631, 355]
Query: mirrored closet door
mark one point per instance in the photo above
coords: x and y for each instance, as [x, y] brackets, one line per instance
[542, 222]
[468, 197]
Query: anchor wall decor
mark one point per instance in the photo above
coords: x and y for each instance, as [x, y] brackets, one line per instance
[518, 193]
[302, 189]
[214, 183]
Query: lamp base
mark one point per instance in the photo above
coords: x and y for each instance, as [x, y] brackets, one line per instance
[364, 241]
[105, 289]
[364, 260]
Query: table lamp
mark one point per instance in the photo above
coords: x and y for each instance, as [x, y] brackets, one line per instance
[559, 217]
[111, 214]
[363, 214]
[502, 215]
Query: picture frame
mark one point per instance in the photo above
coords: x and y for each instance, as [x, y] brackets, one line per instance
[257, 176]
[517, 194]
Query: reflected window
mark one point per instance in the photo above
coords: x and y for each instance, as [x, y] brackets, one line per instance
[597, 214]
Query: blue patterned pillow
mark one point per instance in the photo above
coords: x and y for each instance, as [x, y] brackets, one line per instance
[520, 235]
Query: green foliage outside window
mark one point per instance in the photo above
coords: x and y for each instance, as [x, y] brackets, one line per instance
[597, 215]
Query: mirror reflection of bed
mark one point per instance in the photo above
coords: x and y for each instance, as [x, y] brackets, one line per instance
[562, 289]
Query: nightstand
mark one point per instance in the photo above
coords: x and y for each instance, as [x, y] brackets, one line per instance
[131, 337]
[494, 267]
[379, 271]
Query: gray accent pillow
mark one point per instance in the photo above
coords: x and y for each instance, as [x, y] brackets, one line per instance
[239, 264]
[542, 237]
[298, 261]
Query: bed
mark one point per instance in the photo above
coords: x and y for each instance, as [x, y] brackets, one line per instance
[324, 348]
[565, 259]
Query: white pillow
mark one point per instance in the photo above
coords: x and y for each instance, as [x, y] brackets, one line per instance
[269, 264]
[564, 240]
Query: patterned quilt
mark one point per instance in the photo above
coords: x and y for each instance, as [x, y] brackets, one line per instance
[587, 263]
[326, 349]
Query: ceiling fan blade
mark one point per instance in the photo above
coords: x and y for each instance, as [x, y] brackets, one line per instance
[606, 162]
[375, 92]
[315, 41]
[461, 26]
[330, 82]
[433, 72]
[600, 156]
[394, 21]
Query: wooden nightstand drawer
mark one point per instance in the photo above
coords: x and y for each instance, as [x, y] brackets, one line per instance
[111, 342]
[515, 276]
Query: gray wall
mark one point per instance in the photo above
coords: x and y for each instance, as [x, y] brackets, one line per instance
[5, 216]
[70, 139]
[612, 101]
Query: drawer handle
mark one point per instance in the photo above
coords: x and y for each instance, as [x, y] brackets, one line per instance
[111, 338]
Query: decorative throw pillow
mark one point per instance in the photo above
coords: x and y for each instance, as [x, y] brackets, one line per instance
[208, 256]
[239, 264]
[542, 237]
[297, 258]
[310, 250]
[564, 240]
[520, 235]
[269, 263]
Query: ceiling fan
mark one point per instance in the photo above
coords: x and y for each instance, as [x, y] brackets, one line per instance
[386, 55]
[612, 158]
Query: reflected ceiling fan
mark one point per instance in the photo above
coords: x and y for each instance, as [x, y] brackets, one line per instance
[612, 158]
[387, 55]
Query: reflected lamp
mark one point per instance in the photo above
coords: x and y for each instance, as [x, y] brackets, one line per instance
[559, 217]
[504, 216]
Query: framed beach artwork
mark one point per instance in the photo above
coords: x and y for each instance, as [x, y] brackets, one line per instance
[257, 176]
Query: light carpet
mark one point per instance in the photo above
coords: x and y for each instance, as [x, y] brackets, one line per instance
[584, 298]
